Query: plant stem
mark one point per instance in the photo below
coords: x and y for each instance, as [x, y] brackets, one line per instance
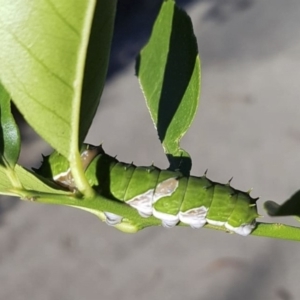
[79, 177]
[278, 231]
[99, 204]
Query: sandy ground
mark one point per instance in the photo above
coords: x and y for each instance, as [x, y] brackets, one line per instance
[247, 127]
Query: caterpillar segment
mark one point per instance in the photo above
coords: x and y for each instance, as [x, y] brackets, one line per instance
[167, 195]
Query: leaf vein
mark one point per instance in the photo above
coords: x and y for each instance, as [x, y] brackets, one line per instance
[61, 17]
[35, 58]
[36, 100]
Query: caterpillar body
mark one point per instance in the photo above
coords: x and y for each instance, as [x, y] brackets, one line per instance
[167, 195]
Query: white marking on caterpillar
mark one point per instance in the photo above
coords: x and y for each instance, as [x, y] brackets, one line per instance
[244, 230]
[166, 189]
[214, 222]
[66, 179]
[194, 217]
[168, 220]
[144, 202]
[112, 219]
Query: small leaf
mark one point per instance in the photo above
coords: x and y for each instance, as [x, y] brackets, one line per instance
[34, 182]
[168, 69]
[291, 207]
[29, 181]
[10, 142]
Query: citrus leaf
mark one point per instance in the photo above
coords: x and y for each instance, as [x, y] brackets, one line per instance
[31, 181]
[42, 59]
[168, 69]
[10, 143]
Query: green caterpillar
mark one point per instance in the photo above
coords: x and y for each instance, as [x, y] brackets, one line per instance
[167, 195]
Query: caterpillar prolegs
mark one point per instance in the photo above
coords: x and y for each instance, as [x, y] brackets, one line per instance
[167, 195]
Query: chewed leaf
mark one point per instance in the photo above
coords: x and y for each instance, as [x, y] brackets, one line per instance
[168, 69]
[10, 143]
[289, 208]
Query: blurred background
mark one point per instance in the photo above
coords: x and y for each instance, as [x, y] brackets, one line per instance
[247, 127]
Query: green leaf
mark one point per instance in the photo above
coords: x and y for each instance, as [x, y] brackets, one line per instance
[42, 59]
[5, 183]
[29, 181]
[10, 143]
[34, 182]
[291, 207]
[168, 69]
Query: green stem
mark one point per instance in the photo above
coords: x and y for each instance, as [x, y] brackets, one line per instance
[100, 204]
[270, 230]
[79, 176]
[278, 231]
[74, 156]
